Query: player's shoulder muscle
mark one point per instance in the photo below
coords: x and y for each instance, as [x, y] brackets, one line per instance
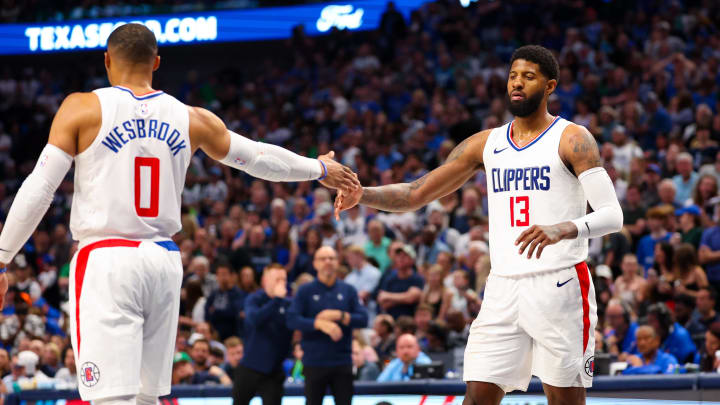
[471, 148]
[77, 112]
[579, 149]
[207, 131]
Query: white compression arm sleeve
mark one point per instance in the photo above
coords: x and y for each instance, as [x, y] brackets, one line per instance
[600, 192]
[33, 199]
[270, 162]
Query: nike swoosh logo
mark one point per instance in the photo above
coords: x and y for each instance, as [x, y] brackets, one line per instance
[5, 250]
[588, 226]
[559, 284]
[498, 151]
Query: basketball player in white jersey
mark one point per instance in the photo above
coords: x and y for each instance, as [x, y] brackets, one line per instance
[132, 146]
[538, 316]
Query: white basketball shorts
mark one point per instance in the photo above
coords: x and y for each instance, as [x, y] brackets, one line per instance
[538, 324]
[124, 303]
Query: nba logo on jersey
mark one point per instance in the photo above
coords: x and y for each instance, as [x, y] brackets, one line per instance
[90, 374]
[142, 110]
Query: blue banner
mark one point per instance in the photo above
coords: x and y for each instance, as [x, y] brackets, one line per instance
[217, 26]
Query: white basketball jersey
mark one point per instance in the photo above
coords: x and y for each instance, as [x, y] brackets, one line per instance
[129, 181]
[530, 186]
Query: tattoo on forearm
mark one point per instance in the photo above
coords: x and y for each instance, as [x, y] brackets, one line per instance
[393, 197]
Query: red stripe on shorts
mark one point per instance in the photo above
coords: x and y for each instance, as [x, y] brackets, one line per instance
[80, 267]
[584, 277]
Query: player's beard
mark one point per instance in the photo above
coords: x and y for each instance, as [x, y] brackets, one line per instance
[527, 106]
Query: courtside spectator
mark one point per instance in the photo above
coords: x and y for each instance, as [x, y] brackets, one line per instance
[235, 349]
[620, 339]
[384, 343]
[707, 358]
[363, 370]
[651, 360]
[706, 301]
[674, 338]
[408, 354]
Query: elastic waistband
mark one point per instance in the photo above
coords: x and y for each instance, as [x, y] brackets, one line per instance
[168, 245]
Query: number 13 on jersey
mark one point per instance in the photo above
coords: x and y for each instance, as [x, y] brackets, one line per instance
[520, 211]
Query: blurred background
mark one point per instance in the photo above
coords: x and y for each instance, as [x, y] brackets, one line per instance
[391, 87]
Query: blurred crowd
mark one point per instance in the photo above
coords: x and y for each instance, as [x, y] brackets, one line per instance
[13, 11]
[392, 104]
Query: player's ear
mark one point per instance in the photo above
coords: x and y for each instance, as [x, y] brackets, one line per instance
[551, 86]
[156, 64]
[107, 61]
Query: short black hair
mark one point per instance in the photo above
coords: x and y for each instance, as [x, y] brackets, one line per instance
[549, 66]
[134, 42]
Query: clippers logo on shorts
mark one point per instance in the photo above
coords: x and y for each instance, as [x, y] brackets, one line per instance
[590, 366]
[90, 374]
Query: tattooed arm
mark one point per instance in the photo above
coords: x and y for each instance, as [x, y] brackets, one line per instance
[462, 163]
[578, 149]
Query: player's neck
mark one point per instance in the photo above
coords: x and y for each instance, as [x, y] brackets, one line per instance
[139, 83]
[525, 128]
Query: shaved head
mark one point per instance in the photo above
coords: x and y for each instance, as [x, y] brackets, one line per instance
[134, 43]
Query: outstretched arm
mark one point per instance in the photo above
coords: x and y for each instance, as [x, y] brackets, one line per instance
[579, 152]
[32, 200]
[262, 160]
[462, 163]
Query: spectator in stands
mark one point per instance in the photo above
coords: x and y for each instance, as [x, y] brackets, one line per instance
[21, 324]
[224, 306]
[630, 286]
[423, 317]
[363, 370]
[384, 327]
[686, 316]
[255, 253]
[685, 179]
[689, 276]
[199, 270]
[326, 310]
[184, 373]
[363, 275]
[625, 150]
[66, 377]
[50, 359]
[706, 301]
[674, 338]
[620, 339]
[294, 366]
[471, 206]
[203, 371]
[408, 354]
[435, 294]
[4, 363]
[377, 245]
[707, 358]
[464, 298]
[667, 192]
[709, 254]
[247, 281]
[651, 360]
[634, 208]
[656, 217]
[192, 304]
[235, 349]
[400, 292]
[268, 340]
[24, 281]
[690, 225]
[706, 190]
